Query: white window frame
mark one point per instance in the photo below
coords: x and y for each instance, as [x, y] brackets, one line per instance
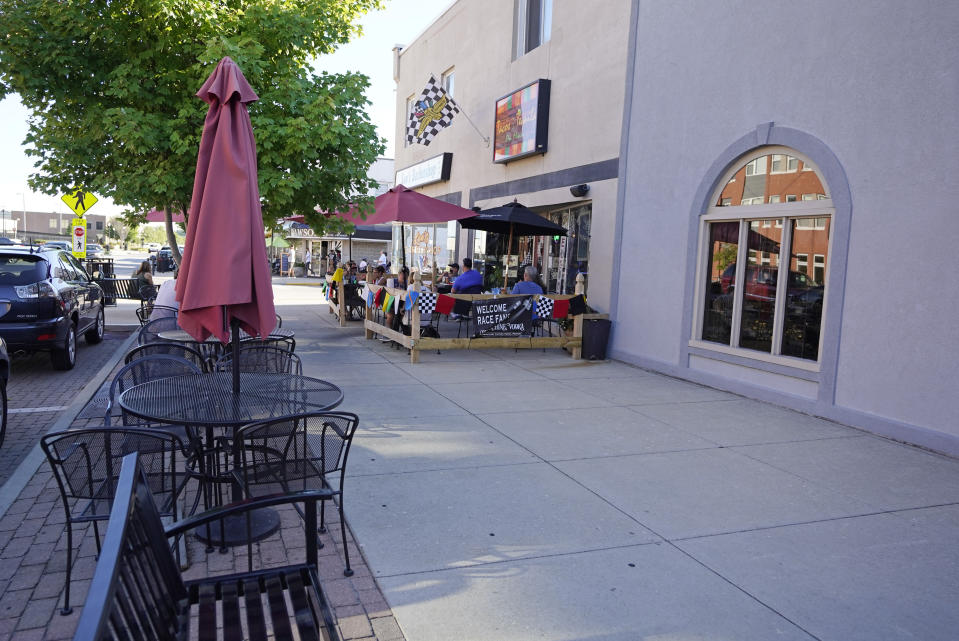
[448, 81]
[522, 25]
[822, 209]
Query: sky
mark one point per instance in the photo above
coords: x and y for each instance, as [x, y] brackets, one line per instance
[400, 22]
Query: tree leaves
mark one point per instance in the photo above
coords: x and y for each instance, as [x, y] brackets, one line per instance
[112, 90]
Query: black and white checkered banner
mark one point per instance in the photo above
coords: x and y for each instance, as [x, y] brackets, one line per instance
[544, 307]
[432, 110]
[427, 303]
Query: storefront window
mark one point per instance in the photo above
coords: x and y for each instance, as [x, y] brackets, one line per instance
[750, 302]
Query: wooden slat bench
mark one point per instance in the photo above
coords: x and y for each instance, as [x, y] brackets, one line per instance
[137, 591]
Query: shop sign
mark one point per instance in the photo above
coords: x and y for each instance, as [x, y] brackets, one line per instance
[429, 171]
[504, 317]
[522, 122]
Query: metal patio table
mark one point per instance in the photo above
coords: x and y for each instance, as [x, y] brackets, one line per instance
[207, 401]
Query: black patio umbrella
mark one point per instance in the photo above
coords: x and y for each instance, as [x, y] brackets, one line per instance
[514, 219]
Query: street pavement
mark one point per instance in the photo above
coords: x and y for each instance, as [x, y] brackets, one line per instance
[500, 494]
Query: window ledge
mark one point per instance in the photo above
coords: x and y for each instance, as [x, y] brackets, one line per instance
[785, 365]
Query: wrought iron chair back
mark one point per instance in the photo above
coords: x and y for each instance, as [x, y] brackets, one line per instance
[167, 348]
[86, 465]
[297, 454]
[149, 332]
[260, 358]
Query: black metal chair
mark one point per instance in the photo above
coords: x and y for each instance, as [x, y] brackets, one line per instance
[167, 348]
[287, 343]
[149, 333]
[297, 454]
[144, 312]
[86, 465]
[137, 591]
[279, 320]
[261, 358]
[145, 368]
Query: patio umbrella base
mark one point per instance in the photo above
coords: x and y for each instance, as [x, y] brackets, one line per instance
[263, 523]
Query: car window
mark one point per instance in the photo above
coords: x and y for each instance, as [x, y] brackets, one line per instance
[21, 270]
[66, 270]
[78, 266]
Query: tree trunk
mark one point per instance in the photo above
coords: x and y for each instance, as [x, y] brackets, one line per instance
[171, 237]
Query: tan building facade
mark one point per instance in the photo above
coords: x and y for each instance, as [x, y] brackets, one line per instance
[580, 49]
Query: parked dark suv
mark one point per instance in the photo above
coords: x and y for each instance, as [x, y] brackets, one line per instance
[46, 299]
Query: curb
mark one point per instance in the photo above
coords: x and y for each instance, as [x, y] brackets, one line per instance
[34, 458]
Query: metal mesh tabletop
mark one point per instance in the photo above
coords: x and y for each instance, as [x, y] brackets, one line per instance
[208, 399]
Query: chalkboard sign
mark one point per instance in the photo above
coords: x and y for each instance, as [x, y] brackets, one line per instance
[504, 317]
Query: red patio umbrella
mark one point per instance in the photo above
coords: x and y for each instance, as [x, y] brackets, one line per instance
[158, 216]
[224, 280]
[403, 205]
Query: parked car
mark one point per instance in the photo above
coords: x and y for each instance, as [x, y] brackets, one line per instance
[95, 251]
[164, 260]
[152, 247]
[761, 281]
[57, 244]
[4, 377]
[46, 300]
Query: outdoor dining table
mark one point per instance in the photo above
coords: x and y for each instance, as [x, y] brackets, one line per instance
[207, 402]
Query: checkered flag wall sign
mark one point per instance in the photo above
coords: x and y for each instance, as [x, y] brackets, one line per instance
[427, 301]
[432, 110]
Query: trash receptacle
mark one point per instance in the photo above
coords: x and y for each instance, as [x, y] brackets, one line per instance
[595, 337]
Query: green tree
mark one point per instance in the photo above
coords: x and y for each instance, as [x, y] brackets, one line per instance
[112, 90]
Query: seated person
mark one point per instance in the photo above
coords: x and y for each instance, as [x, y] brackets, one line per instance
[379, 275]
[166, 297]
[447, 278]
[470, 281]
[528, 285]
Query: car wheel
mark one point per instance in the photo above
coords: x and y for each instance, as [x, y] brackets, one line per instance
[66, 357]
[3, 419]
[95, 334]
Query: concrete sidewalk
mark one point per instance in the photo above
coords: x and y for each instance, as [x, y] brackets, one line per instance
[517, 495]
[522, 495]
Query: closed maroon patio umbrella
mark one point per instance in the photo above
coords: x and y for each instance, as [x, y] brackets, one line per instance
[224, 281]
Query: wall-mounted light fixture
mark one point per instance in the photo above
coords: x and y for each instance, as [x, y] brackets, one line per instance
[579, 190]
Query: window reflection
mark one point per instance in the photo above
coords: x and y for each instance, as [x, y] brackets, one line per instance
[771, 179]
[718, 315]
[806, 285]
[762, 272]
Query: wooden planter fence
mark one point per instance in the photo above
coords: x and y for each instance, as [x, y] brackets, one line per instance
[414, 342]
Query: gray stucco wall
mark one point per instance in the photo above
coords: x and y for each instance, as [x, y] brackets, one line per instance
[876, 84]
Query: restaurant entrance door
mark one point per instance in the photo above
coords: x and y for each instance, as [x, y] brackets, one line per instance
[560, 258]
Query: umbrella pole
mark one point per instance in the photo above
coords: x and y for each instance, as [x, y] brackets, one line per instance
[235, 330]
[403, 241]
[509, 248]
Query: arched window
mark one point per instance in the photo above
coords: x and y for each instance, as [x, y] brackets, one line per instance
[764, 259]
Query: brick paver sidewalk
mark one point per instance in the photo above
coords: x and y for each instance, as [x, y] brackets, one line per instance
[33, 556]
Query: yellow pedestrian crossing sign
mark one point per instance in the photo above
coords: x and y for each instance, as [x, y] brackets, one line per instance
[79, 200]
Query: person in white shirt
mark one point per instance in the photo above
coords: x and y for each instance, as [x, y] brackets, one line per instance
[292, 261]
[165, 300]
[382, 261]
[307, 261]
